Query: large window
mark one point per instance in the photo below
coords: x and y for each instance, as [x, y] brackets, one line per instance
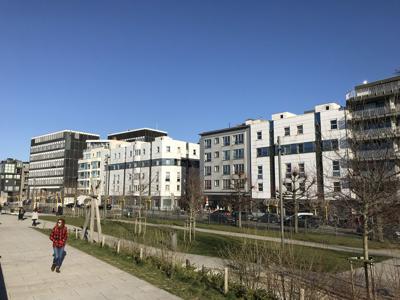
[226, 140]
[226, 155]
[299, 129]
[238, 138]
[238, 153]
[260, 172]
[336, 187]
[226, 169]
[288, 170]
[287, 131]
[334, 124]
[226, 184]
[336, 168]
[238, 168]
[207, 143]
[259, 135]
[207, 156]
[207, 170]
[207, 184]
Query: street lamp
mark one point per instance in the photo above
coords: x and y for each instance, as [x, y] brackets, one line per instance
[280, 190]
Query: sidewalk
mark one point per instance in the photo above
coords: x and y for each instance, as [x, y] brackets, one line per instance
[26, 260]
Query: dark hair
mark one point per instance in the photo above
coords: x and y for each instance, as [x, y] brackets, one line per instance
[62, 221]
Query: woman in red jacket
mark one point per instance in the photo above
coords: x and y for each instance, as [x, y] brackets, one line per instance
[58, 236]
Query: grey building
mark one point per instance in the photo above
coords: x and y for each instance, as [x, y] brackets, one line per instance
[54, 162]
[11, 180]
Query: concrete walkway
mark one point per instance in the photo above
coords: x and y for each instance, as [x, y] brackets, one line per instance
[26, 257]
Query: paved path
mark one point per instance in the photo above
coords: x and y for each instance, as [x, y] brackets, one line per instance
[25, 263]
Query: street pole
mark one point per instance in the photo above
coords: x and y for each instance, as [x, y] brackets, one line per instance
[280, 190]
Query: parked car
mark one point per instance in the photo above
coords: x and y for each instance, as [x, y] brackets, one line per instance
[221, 217]
[246, 216]
[269, 218]
[304, 220]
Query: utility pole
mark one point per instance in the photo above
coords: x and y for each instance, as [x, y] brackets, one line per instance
[280, 190]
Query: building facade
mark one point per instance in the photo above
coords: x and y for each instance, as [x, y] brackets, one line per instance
[311, 144]
[153, 171]
[12, 180]
[54, 162]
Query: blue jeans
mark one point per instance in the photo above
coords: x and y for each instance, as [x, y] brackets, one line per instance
[59, 255]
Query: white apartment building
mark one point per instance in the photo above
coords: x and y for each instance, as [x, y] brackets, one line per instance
[310, 143]
[91, 168]
[154, 171]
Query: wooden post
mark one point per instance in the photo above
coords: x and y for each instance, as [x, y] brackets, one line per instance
[92, 204]
[118, 246]
[103, 241]
[226, 281]
[302, 294]
[141, 254]
[352, 280]
[174, 241]
[187, 263]
[76, 233]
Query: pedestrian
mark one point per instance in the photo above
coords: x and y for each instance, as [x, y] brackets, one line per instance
[58, 236]
[21, 213]
[35, 217]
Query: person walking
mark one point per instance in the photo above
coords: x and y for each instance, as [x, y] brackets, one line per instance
[21, 213]
[35, 217]
[58, 236]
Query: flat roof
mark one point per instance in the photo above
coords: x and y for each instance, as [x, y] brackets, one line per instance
[382, 81]
[65, 130]
[239, 127]
[139, 129]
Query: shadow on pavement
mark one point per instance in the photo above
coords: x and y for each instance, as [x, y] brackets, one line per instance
[3, 292]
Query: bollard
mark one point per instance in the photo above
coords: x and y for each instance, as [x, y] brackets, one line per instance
[187, 263]
[118, 245]
[302, 294]
[76, 233]
[141, 254]
[103, 241]
[226, 281]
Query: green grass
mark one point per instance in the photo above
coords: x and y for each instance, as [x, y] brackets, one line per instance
[207, 244]
[187, 287]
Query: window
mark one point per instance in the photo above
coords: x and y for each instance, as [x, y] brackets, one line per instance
[216, 183]
[260, 187]
[299, 129]
[336, 168]
[238, 138]
[226, 155]
[178, 176]
[168, 148]
[260, 172]
[300, 148]
[287, 131]
[302, 186]
[167, 187]
[288, 170]
[334, 124]
[207, 184]
[194, 151]
[238, 153]
[216, 140]
[216, 154]
[207, 156]
[259, 135]
[207, 170]
[226, 140]
[302, 170]
[216, 169]
[262, 152]
[167, 176]
[130, 153]
[167, 161]
[207, 143]
[226, 169]
[226, 183]
[158, 149]
[336, 187]
[178, 187]
[238, 168]
[335, 144]
[288, 186]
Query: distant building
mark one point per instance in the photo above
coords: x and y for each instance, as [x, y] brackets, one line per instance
[142, 134]
[11, 180]
[54, 162]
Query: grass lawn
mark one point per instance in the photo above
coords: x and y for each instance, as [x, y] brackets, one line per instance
[217, 245]
[182, 286]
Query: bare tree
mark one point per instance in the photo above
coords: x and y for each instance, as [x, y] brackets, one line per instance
[192, 201]
[298, 186]
[239, 198]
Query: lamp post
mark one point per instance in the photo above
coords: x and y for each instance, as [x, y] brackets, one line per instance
[280, 191]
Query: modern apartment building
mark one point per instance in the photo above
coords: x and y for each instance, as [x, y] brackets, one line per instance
[154, 171]
[12, 180]
[311, 143]
[54, 162]
[92, 166]
[141, 134]
[374, 118]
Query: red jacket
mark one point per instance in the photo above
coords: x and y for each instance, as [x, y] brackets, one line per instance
[59, 236]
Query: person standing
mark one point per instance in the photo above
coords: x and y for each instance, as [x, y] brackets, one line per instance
[35, 216]
[58, 236]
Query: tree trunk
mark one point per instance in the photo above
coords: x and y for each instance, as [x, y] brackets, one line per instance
[296, 213]
[365, 250]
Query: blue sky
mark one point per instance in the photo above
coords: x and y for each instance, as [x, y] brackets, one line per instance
[181, 66]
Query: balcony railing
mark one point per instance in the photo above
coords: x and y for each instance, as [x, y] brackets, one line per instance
[381, 133]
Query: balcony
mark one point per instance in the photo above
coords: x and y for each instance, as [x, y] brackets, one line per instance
[377, 112]
[378, 90]
[377, 133]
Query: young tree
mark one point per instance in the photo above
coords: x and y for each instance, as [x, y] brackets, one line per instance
[240, 197]
[193, 200]
[297, 187]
